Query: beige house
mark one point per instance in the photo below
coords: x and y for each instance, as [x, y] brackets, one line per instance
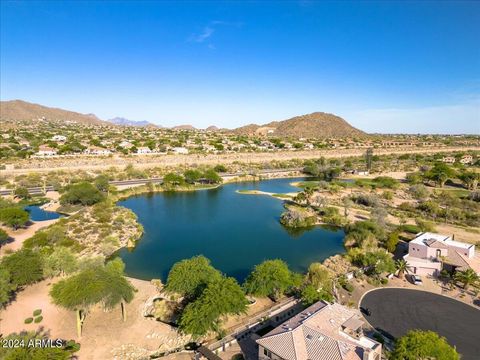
[95, 150]
[430, 253]
[323, 331]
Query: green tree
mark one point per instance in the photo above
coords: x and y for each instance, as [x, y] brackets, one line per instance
[14, 217]
[212, 177]
[311, 295]
[379, 262]
[466, 277]
[220, 298]
[171, 180]
[417, 344]
[470, 179]
[82, 193]
[192, 176]
[101, 183]
[24, 266]
[189, 277]
[61, 261]
[21, 192]
[440, 173]
[6, 286]
[392, 241]
[95, 285]
[3, 236]
[270, 278]
[319, 276]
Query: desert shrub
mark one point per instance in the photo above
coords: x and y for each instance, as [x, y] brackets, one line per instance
[28, 320]
[38, 319]
[37, 312]
[82, 193]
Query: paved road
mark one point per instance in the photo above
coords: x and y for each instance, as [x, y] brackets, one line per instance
[398, 310]
[40, 190]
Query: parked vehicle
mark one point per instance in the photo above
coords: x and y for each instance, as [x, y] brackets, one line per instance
[416, 280]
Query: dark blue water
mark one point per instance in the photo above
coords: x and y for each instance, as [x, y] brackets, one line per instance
[38, 214]
[235, 231]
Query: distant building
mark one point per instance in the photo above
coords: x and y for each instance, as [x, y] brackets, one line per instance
[143, 150]
[125, 145]
[59, 138]
[95, 150]
[180, 150]
[466, 159]
[45, 151]
[323, 331]
[448, 159]
[430, 253]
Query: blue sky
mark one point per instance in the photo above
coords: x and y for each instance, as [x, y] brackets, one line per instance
[384, 66]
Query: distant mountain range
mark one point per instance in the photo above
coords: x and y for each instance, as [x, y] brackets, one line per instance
[315, 125]
[126, 122]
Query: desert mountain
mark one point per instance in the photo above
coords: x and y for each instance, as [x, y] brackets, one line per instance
[17, 110]
[184, 127]
[314, 125]
[212, 128]
[126, 122]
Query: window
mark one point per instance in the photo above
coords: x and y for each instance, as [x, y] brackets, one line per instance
[267, 353]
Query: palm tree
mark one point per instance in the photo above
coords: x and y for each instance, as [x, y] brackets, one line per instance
[466, 277]
[402, 268]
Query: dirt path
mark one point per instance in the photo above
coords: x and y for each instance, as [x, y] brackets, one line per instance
[19, 236]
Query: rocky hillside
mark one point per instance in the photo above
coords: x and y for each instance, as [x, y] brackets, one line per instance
[315, 125]
[18, 110]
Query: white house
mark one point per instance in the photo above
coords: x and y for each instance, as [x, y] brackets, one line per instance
[430, 253]
[45, 151]
[95, 150]
[180, 150]
[143, 150]
[448, 160]
[466, 159]
[59, 138]
[125, 144]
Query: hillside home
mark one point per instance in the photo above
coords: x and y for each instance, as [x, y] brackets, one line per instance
[95, 150]
[323, 331]
[125, 145]
[466, 159]
[45, 151]
[144, 150]
[59, 138]
[430, 253]
[448, 159]
[180, 150]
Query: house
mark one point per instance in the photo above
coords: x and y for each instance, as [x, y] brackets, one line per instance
[180, 150]
[59, 138]
[466, 159]
[144, 150]
[323, 331]
[125, 145]
[430, 253]
[45, 151]
[95, 150]
[448, 159]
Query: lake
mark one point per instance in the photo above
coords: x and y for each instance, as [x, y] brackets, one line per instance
[235, 231]
[38, 214]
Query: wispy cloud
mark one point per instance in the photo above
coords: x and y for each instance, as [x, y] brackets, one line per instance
[204, 36]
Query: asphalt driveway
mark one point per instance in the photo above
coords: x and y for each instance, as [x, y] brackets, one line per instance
[396, 311]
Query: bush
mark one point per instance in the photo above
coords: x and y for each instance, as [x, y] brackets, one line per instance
[37, 312]
[82, 193]
[25, 267]
[14, 217]
[38, 319]
[411, 229]
[28, 320]
[220, 168]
